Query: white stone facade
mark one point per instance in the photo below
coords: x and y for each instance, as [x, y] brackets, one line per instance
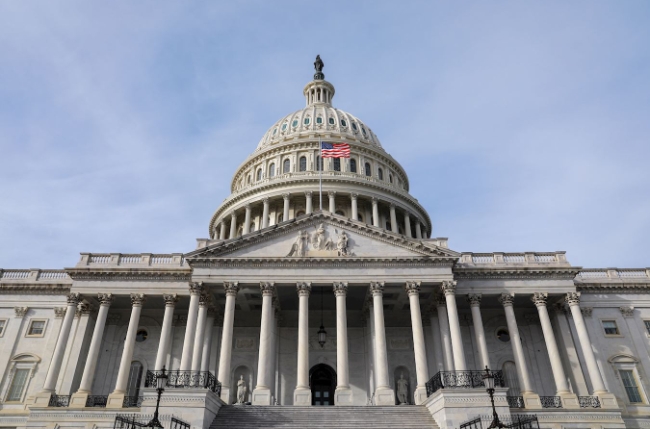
[76, 345]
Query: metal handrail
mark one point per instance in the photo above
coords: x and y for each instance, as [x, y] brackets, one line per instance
[467, 379]
[183, 379]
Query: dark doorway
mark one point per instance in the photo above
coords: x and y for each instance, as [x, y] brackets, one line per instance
[322, 379]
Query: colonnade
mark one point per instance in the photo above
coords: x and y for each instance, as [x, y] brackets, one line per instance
[446, 334]
[232, 224]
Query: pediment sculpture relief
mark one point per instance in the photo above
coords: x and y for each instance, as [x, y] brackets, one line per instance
[319, 244]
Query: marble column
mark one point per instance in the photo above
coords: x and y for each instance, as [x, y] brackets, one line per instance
[332, 200]
[207, 342]
[302, 393]
[407, 225]
[569, 400]
[448, 287]
[225, 356]
[52, 375]
[247, 219]
[418, 229]
[309, 207]
[419, 348]
[375, 212]
[479, 332]
[355, 209]
[262, 392]
[166, 330]
[343, 394]
[190, 327]
[265, 213]
[116, 398]
[233, 225]
[199, 334]
[439, 359]
[393, 219]
[222, 230]
[443, 321]
[384, 394]
[285, 212]
[517, 350]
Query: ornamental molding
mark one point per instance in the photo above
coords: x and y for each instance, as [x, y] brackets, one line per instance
[627, 311]
[525, 272]
[623, 288]
[340, 288]
[412, 288]
[303, 289]
[21, 311]
[320, 262]
[129, 274]
[59, 312]
[34, 289]
[587, 311]
[474, 299]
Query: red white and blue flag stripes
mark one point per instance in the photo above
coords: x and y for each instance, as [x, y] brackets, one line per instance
[335, 150]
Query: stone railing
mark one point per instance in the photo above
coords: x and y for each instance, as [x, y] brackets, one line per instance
[34, 275]
[607, 274]
[131, 260]
[525, 258]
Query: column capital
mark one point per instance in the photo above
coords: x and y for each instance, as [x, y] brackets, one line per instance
[377, 288]
[308, 194]
[374, 200]
[196, 288]
[340, 288]
[440, 301]
[412, 288]
[205, 299]
[233, 215]
[265, 200]
[627, 311]
[303, 288]
[354, 196]
[247, 207]
[474, 299]
[539, 298]
[83, 308]
[506, 299]
[137, 299]
[572, 298]
[74, 299]
[170, 299]
[448, 287]
[286, 196]
[21, 311]
[231, 288]
[105, 299]
[331, 193]
[391, 206]
[267, 288]
[586, 311]
[59, 312]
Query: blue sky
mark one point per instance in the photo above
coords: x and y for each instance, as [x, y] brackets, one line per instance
[523, 126]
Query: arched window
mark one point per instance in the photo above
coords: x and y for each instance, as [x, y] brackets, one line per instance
[135, 379]
[390, 178]
[272, 169]
[248, 180]
[331, 121]
[380, 173]
[368, 169]
[259, 174]
[319, 163]
[344, 123]
[337, 164]
[20, 372]
[286, 166]
[303, 163]
[319, 120]
[353, 165]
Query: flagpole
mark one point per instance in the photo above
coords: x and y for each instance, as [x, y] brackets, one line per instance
[320, 170]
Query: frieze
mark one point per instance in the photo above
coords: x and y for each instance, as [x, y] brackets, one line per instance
[35, 289]
[322, 262]
[130, 275]
[523, 273]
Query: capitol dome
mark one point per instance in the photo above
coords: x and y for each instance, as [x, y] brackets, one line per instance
[281, 179]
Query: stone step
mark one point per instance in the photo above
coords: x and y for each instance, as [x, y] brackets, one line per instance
[293, 417]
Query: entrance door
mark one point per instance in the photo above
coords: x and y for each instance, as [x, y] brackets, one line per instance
[322, 379]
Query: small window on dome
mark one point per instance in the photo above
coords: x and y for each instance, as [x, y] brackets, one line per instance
[319, 163]
[354, 126]
[284, 126]
[344, 123]
[259, 174]
[353, 165]
[294, 123]
[303, 163]
[272, 170]
[380, 174]
[286, 166]
[368, 169]
[307, 121]
[275, 130]
[390, 178]
[319, 120]
[337, 164]
[363, 130]
[331, 121]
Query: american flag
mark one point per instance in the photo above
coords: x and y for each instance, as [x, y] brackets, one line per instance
[335, 150]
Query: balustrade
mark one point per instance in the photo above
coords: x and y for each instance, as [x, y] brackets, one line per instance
[551, 401]
[182, 379]
[589, 401]
[132, 402]
[59, 401]
[97, 401]
[466, 379]
[515, 401]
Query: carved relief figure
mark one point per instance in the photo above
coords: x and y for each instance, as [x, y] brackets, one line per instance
[318, 239]
[342, 244]
[402, 390]
[299, 247]
[241, 390]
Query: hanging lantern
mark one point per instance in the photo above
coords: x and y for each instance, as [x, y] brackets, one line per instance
[322, 336]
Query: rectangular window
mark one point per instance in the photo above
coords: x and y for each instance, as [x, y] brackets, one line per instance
[647, 325]
[18, 385]
[3, 325]
[631, 388]
[610, 327]
[36, 328]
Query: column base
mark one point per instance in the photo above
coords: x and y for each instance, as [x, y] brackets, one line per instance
[78, 400]
[261, 396]
[343, 396]
[42, 399]
[607, 401]
[384, 396]
[420, 395]
[569, 401]
[532, 401]
[115, 400]
[225, 394]
[302, 397]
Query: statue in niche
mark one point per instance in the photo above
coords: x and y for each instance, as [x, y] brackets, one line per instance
[241, 391]
[402, 390]
[342, 244]
[299, 247]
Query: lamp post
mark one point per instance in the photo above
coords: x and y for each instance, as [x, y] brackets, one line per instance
[161, 381]
[488, 379]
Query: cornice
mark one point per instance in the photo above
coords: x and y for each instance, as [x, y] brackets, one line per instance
[129, 274]
[321, 262]
[34, 288]
[626, 288]
[517, 273]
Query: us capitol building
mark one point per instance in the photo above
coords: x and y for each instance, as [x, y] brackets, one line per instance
[293, 303]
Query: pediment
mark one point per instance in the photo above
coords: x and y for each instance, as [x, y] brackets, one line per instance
[322, 236]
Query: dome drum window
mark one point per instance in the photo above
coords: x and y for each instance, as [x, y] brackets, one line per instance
[307, 121]
[353, 165]
[272, 170]
[303, 163]
[319, 120]
[336, 164]
[331, 121]
[368, 169]
[286, 166]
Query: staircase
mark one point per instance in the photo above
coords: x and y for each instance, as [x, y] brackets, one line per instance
[339, 417]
